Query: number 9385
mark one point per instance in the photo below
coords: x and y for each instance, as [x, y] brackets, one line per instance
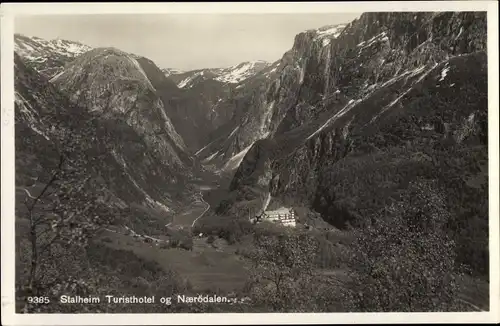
[38, 300]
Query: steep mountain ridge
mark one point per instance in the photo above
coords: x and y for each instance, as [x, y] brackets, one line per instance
[263, 101]
[134, 176]
[113, 83]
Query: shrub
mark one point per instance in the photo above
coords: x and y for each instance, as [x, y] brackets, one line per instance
[165, 245]
[186, 244]
[229, 228]
[396, 267]
[283, 273]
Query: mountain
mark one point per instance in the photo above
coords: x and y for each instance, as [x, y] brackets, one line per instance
[194, 106]
[238, 125]
[171, 71]
[144, 165]
[374, 134]
[262, 101]
[231, 75]
[197, 110]
[187, 110]
[114, 83]
[48, 57]
[392, 104]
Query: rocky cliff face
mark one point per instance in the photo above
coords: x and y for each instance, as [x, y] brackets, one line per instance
[263, 101]
[340, 63]
[114, 84]
[393, 100]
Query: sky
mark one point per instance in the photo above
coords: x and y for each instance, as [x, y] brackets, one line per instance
[184, 41]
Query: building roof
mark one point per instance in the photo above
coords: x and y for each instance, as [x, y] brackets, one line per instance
[281, 211]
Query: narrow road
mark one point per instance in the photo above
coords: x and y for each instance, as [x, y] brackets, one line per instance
[191, 214]
[206, 209]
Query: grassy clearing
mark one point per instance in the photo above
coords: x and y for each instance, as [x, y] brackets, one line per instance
[204, 267]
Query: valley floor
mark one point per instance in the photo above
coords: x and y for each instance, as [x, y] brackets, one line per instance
[205, 267]
[217, 266]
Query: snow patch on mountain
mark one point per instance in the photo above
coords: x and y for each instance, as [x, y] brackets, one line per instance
[35, 48]
[332, 31]
[232, 133]
[232, 75]
[372, 88]
[266, 120]
[171, 129]
[201, 150]
[29, 114]
[56, 76]
[171, 71]
[444, 72]
[382, 37]
[344, 110]
[211, 157]
[238, 73]
[235, 161]
[139, 68]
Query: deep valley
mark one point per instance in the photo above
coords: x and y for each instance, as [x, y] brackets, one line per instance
[373, 135]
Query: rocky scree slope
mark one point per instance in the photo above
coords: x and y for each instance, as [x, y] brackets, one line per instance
[395, 105]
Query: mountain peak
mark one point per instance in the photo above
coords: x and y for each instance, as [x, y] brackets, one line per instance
[47, 56]
[171, 71]
[231, 75]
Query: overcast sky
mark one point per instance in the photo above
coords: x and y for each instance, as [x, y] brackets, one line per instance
[184, 41]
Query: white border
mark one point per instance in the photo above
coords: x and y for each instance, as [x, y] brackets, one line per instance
[8, 11]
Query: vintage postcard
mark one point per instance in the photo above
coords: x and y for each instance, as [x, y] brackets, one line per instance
[249, 163]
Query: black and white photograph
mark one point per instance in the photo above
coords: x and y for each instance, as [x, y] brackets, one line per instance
[204, 163]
